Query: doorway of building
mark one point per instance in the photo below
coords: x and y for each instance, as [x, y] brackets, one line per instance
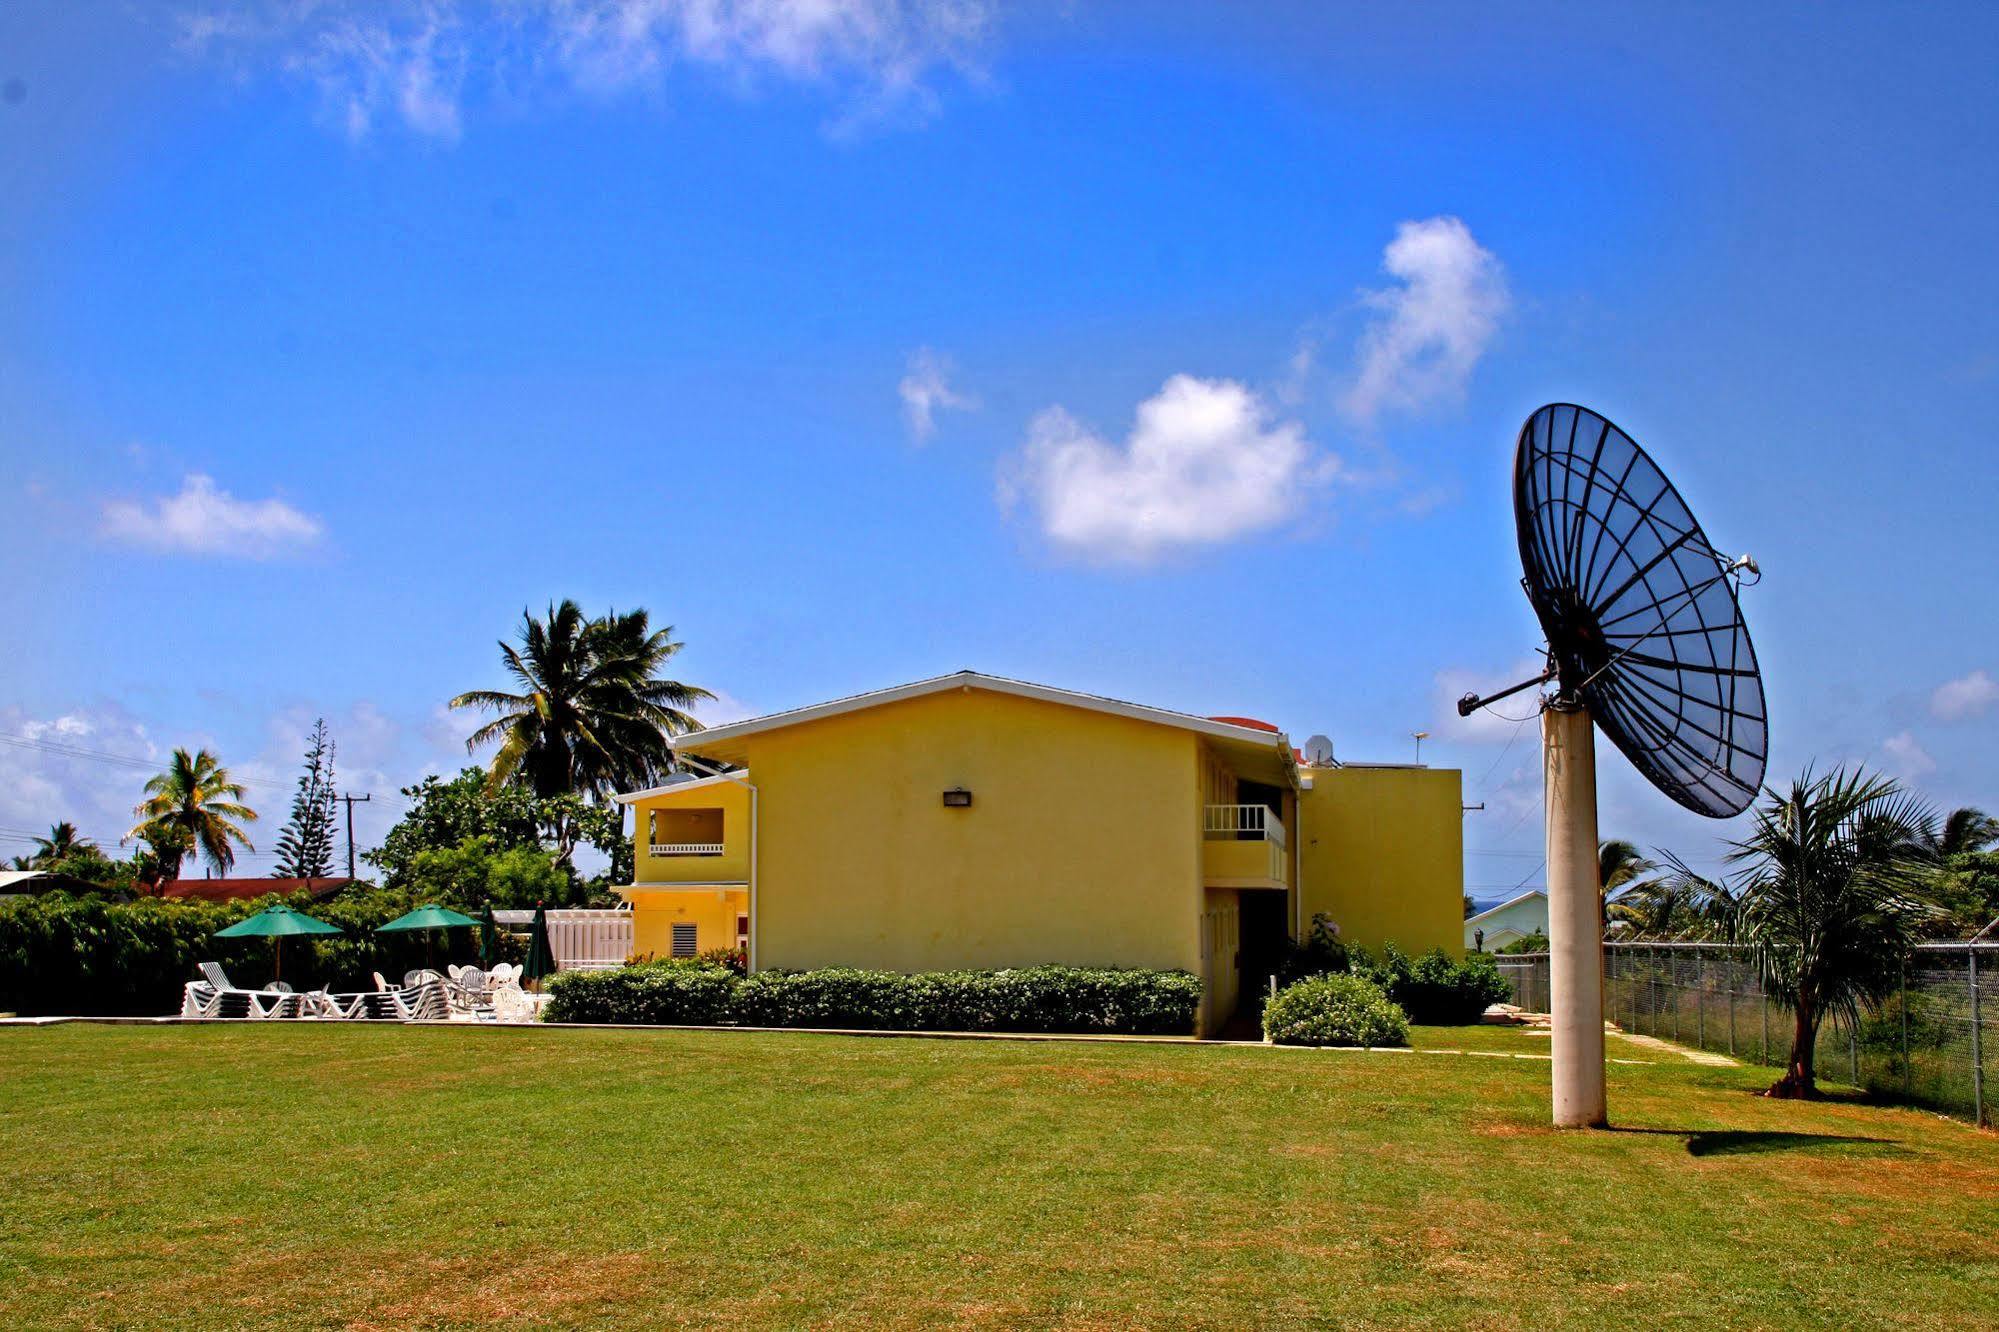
[1266, 936]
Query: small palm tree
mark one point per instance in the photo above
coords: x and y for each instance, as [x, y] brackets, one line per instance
[62, 841]
[594, 713]
[1830, 899]
[193, 806]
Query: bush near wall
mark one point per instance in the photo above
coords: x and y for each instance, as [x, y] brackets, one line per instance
[87, 955]
[1435, 990]
[1334, 1010]
[1027, 999]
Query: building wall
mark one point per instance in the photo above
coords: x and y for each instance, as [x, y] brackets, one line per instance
[1081, 846]
[1382, 853]
[712, 911]
[1504, 925]
[675, 807]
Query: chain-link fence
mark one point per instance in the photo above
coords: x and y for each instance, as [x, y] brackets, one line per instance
[1930, 1043]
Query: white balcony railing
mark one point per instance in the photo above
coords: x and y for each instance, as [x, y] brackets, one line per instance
[685, 848]
[1247, 823]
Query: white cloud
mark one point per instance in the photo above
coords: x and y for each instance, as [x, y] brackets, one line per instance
[203, 520]
[1966, 697]
[1430, 332]
[1204, 463]
[1906, 759]
[925, 389]
[418, 61]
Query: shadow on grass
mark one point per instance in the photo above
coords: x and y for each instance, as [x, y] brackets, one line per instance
[1747, 1142]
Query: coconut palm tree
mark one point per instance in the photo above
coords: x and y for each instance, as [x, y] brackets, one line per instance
[594, 713]
[62, 840]
[1963, 831]
[1620, 865]
[1830, 897]
[194, 806]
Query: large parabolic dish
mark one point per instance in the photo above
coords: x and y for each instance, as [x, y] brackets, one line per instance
[1640, 611]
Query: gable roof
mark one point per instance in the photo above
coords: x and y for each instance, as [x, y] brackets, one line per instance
[232, 890]
[674, 788]
[1511, 901]
[697, 741]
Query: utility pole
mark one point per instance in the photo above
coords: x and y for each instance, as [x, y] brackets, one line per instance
[350, 799]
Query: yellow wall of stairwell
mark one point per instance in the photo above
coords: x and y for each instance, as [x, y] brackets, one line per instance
[1383, 855]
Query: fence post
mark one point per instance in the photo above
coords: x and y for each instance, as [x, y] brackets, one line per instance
[1977, 1051]
[1908, 1084]
[1731, 1003]
[1853, 1045]
[1700, 998]
[1763, 1002]
[1676, 995]
[1652, 993]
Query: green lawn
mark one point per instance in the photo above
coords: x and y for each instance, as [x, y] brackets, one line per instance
[388, 1177]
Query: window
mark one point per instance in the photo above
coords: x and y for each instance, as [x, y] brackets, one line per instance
[683, 939]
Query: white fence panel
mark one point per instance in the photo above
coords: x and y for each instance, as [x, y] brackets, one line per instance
[581, 939]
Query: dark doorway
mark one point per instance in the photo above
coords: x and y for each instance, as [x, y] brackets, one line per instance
[1258, 793]
[1266, 934]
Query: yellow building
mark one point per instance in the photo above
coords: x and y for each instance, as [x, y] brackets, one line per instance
[976, 822]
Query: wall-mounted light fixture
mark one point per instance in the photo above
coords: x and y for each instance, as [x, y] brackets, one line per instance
[957, 797]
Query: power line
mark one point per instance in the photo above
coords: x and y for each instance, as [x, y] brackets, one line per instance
[61, 750]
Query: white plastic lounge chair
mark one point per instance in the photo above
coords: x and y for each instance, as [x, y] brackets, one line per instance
[214, 996]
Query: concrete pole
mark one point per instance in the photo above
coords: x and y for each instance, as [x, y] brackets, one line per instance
[1575, 917]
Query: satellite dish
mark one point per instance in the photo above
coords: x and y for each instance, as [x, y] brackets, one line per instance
[1319, 752]
[1645, 637]
[1640, 610]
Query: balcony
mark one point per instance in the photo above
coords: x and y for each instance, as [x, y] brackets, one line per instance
[684, 848]
[1242, 846]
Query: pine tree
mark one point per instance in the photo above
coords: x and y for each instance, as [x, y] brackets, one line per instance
[305, 847]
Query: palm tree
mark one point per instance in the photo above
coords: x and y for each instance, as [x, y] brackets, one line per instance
[1964, 831]
[193, 806]
[1619, 864]
[594, 713]
[62, 841]
[1830, 899]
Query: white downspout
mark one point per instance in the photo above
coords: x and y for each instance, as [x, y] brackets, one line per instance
[751, 961]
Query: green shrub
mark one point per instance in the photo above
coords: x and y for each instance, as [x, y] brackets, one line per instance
[1432, 989]
[691, 993]
[1334, 1010]
[1322, 954]
[1028, 999]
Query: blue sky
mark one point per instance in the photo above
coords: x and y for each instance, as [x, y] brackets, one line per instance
[1173, 353]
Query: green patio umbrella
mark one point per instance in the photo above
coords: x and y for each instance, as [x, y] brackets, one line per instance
[427, 918]
[275, 923]
[541, 958]
[489, 938]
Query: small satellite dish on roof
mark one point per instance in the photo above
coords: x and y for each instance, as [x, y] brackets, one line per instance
[1318, 752]
[1645, 637]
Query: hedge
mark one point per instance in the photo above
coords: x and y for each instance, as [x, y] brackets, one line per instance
[1048, 999]
[1334, 1010]
[88, 955]
[1433, 989]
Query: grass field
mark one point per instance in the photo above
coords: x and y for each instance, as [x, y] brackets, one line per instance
[388, 1177]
